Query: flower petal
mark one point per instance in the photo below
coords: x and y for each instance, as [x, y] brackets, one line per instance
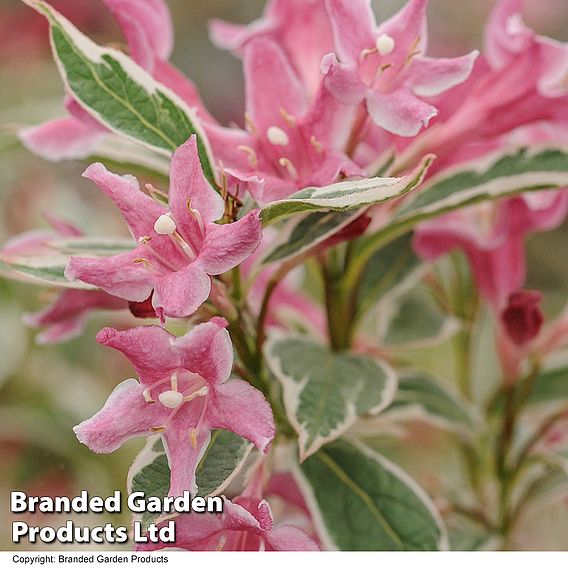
[353, 24]
[239, 407]
[187, 183]
[179, 294]
[399, 112]
[125, 415]
[408, 28]
[183, 456]
[343, 80]
[430, 77]
[237, 518]
[271, 85]
[65, 318]
[147, 27]
[290, 538]
[149, 349]
[175, 80]
[119, 275]
[138, 209]
[207, 350]
[61, 139]
[226, 246]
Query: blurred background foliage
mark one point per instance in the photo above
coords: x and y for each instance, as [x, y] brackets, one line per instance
[46, 390]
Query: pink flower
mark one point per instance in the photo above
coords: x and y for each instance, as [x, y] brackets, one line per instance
[289, 143]
[66, 317]
[522, 318]
[520, 81]
[385, 65]
[495, 249]
[179, 246]
[183, 393]
[148, 30]
[301, 28]
[246, 524]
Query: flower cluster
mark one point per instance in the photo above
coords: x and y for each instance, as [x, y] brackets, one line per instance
[333, 100]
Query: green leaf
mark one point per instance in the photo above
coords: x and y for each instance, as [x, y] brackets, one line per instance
[92, 246]
[122, 155]
[421, 396]
[346, 195]
[308, 232]
[502, 175]
[325, 392]
[42, 271]
[391, 267]
[120, 94]
[223, 459]
[413, 319]
[522, 170]
[361, 501]
[550, 386]
[150, 473]
[47, 266]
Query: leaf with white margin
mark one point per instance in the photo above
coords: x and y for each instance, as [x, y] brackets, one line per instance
[307, 232]
[120, 94]
[118, 153]
[413, 320]
[504, 174]
[346, 195]
[221, 462]
[359, 500]
[46, 266]
[422, 397]
[325, 392]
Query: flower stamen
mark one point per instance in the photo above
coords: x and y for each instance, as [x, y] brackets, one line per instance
[316, 144]
[251, 155]
[145, 240]
[289, 118]
[277, 136]
[197, 216]
[286, 163]
[385, 44]
[250, 125]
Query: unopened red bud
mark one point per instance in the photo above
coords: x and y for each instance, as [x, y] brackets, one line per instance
[523, 318]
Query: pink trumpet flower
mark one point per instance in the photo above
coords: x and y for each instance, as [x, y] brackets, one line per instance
[289, 142]
[66, 316]
[385, 66]
[183, 392]
[493, 239]
[179, 246]
[246, 524]
[300, 27]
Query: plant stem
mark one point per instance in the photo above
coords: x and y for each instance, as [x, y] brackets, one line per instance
[337, 308]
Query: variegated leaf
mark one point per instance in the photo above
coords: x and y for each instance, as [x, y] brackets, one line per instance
[325, 392]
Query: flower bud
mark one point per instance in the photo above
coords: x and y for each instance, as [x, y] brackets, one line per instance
[523, 318]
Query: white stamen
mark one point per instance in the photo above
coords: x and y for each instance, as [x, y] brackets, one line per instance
[385, 44]
[200, 392]
[277, 136]
[171, 398]
[251, 155]
[165, 225]
[292, 171]
[197, 216]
